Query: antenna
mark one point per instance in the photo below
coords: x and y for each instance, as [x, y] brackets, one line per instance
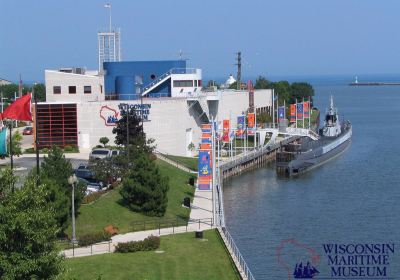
[239, 69]
[108, 6]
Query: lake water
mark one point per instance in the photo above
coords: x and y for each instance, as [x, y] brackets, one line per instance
[352, 199]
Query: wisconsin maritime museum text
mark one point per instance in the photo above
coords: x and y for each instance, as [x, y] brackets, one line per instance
[359, 260]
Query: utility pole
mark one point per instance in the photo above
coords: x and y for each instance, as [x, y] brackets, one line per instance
[239, 70]
[36, 137]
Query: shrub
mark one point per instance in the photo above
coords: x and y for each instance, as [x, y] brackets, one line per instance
[148, 244]
[93, 196]
[30, 150]
[44, 150]
[92, 238]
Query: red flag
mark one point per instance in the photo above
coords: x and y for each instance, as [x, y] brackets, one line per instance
[19, 110]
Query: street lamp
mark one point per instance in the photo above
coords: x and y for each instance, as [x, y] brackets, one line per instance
[72, 181]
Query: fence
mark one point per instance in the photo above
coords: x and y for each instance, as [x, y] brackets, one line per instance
[156, 227]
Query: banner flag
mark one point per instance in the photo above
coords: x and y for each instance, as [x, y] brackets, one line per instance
[292, 112]
[299, 110]
[3, 142]
[240, 127]
[205, 140]
[281, 113]
[205, 170]
[306, 109]
[19, 110]
[251, 119]
[225, 129]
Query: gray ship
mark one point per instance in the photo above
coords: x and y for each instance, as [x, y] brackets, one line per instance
[304, 153]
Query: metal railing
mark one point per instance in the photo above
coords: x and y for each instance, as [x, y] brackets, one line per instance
[171, 224]
[238, 257]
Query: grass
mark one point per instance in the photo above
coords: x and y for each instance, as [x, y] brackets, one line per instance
[108, 209]
[184, 257]
[189, 162]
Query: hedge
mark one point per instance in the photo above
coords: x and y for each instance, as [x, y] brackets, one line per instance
[148, 244]
[92, 238]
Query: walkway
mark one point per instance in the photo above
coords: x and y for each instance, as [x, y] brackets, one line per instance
[200, 219]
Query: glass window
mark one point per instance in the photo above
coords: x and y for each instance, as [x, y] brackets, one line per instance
[199, 83]
[72, 89]
[87, 89]
[183, 83]
[56, 90]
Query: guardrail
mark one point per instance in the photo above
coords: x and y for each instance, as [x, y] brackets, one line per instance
[237, 256]
[170, 223]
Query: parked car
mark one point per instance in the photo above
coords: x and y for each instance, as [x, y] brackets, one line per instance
[88, 177]
[100, 153]
[91, 187]
[27, 130]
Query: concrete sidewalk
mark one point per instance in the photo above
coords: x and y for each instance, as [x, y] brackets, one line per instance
[201, 210]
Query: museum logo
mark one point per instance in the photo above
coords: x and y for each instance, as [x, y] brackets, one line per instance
[359, 260]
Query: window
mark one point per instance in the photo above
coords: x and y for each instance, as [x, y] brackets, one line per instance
[199, 83]
[56, 90]
[72, 89]
[101, 89]
[195, 83]
[87, 89]
[183, 83]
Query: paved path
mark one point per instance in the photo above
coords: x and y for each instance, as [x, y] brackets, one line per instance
[201, 209]
[176, 164]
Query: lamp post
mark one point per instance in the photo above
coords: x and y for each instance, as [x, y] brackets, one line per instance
[72, 181]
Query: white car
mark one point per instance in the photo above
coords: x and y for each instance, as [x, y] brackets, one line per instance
[100, 154]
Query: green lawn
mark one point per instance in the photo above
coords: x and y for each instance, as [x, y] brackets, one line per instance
[184, 257]
[189, 162]
[109, 210]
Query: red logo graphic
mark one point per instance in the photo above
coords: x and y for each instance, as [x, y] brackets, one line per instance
[109, 115]
[295, 257]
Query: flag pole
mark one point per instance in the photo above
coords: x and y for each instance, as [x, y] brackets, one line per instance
[11, 152]
[296, 112]
[36, 138]
[309, 113]
[303, 111]
[273, 108]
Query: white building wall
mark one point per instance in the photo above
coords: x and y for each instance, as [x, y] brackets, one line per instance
[182, 91]
[56, 78]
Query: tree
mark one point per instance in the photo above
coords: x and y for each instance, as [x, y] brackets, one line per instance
[104, 141]
[40, 90]
[55, 171]
[137, 137]
[212, 83]
[10, 90]
[145, 189]
[7, 181]
[262, 83]
[16, 143]
[27, 235]
[300, 91]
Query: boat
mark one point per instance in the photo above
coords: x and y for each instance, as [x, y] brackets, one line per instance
[305, 153]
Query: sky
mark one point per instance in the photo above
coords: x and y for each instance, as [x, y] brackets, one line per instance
[277, 38]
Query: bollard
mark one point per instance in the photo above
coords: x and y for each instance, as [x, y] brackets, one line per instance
[73, 249]
[109, 245]
[199, 223]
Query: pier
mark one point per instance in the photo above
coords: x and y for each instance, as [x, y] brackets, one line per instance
[250, 159]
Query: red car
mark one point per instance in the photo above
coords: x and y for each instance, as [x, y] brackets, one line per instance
[28, 130]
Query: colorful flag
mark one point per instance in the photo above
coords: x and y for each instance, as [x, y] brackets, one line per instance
[251, 123]
[3, 142]
[292, 112]
[205, 170]
[281, 113]
[299, 110]
[240, 127]
[225, 131]
[19, 110]
[306, 109]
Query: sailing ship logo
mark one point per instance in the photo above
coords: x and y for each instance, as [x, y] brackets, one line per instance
[305, 272]
[291, 252]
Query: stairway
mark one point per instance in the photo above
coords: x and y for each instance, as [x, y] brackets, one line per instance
[161, 79]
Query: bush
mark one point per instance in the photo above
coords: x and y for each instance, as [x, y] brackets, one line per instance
[93, 196]
[92, 238]
[30, 150]
[44, 150]
[148, 244]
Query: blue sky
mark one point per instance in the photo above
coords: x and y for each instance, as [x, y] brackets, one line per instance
[277, 38]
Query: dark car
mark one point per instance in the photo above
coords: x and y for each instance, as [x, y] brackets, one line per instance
[88, 176]
[28, 130]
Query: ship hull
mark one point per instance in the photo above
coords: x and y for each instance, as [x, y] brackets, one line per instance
[305, 161]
